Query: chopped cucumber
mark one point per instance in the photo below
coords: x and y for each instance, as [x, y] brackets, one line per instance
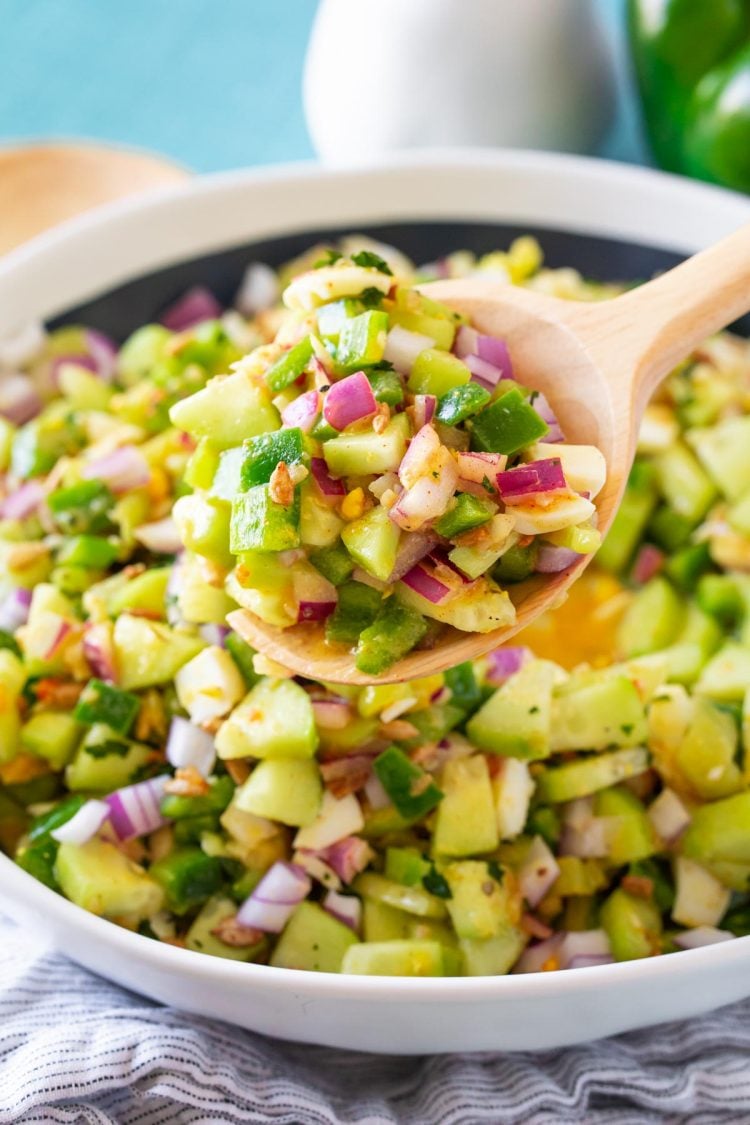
[275, 720]
[587, 775]
[395, 959]
[98, 877]
[313, 940]
[516, 719]
[466, 822]
[288, 790]
[372, 541]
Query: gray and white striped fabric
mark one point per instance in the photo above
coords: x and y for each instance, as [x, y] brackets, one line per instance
[76, 1049]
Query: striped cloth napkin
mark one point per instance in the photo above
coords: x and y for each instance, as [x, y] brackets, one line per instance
[76, 1050]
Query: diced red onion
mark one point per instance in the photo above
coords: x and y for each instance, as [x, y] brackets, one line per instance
[495, 351]
[161, 537]
[346, 908]
[420, 457]
[188, 745]
[482, 372]
[135, 810]
[553, 560]
[19, 399]
[214, 634]
[505, 662]
[292, 556]
[648, 563]
[398, 708]
[347, 857]
[538, 872]
[332, 714]
[195, 306]
[23, 502]
[535, 957]
[14, 609]
[124, 469]
[21, 346]
[441, 696]
[314, 611]
[311, 863]
[82, 825]
[481, 468]
[467, 341]
[412, 548]
[585, 947]
[59, 629]
[375, 793]
[258, 291]
[700, 936]
[328, 485]
[99, 651]
[535, 476]
[426, 585]
[402, 347]
[424, 409]
[349, 400]
[669, 816]
[426, 499]
[302, 411]
[275, 899]
[439, 557]
[547, 414]
[103, 351]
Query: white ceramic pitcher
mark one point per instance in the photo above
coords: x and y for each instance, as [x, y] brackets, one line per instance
[388, 74]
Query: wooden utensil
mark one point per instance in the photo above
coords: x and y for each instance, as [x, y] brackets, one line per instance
[598, 364]
[42, 185]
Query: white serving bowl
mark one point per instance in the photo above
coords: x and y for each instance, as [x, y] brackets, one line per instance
[611, 218]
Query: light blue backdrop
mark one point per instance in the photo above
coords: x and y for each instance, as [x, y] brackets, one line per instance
[212, 83]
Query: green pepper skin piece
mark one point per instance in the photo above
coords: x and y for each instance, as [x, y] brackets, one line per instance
[393, 633]
[263, 453]
[215, 801]
[102, 703]
[356, 610]
[468, 512]
[88, 551]
[507, 425]
[410, 788]
[334, 563]
[38, 859]
[42, 825]
[188, 877]
[83, 507]
[460, 403]
[692, 60]
[386, 386]
[289, 366]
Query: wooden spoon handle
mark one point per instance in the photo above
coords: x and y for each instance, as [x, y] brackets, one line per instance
[639, 337]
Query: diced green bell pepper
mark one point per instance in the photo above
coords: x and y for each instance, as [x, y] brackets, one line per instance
[386, 386]
[394, 632]
[188, 877]
[289, 366]
[82, 508]
[355, 611]
[467, 512]
[410, 788]
[507, 425]
[461, 403]
[102, 703]
[262, 454]
[362, 340]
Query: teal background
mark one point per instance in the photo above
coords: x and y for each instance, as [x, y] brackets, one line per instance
[212, 83]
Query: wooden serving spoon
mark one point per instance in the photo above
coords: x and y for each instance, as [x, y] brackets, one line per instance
[598, 364]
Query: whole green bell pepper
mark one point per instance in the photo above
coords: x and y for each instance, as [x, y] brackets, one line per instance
[692, 60]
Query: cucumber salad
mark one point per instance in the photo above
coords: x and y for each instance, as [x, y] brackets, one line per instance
[378, 468]
[578, 798]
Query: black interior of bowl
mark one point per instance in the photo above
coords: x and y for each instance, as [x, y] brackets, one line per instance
[121, 310]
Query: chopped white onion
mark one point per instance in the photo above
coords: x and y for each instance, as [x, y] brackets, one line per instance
[585, 947]
[188, 745]
[668, 816]
[161, 537]
[538, 872]
[82, 825]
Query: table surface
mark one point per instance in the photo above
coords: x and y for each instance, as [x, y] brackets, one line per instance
[212, 85]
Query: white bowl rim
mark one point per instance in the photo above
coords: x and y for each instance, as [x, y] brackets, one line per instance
[67, 240]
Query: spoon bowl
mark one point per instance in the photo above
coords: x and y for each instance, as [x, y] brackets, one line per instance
[598, 364]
